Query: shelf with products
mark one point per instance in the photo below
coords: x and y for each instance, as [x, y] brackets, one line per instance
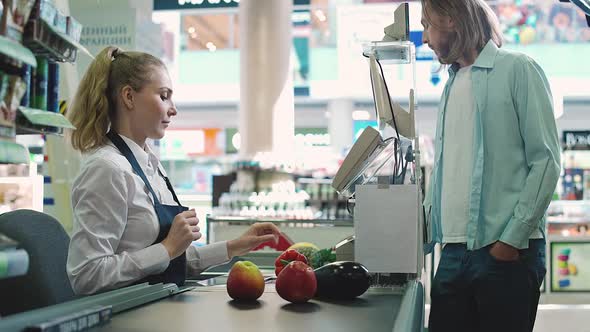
[309, 222]
[569, 212]
[34, 36]
[13, 153]
[568, 220]
[34, 121]
[574, 183]
[324, 198]
[570, 231]
[276, 195]
[323, 233]
[570, 227]
[16, 53]
[44, 40]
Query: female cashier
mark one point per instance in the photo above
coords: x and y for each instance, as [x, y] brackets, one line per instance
[129, 226]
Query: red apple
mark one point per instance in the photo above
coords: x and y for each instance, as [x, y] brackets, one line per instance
[296, 283]
[245, 282]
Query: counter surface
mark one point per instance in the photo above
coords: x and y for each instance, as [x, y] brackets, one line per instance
[211, 309]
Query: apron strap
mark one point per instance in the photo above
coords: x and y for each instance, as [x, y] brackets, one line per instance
[169, 185]
[126, 151]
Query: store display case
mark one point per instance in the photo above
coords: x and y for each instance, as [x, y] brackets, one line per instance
[306, 209]
[35, 36]
[324, 233]
[568, 219]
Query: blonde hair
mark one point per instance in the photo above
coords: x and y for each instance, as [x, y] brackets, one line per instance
[94, 105]
[475, 24]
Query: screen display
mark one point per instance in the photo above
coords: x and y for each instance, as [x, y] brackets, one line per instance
[570, 266]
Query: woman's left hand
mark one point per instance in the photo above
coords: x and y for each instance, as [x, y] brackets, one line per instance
[257, 234]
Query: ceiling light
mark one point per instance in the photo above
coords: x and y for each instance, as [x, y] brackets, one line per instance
[320, 15]
[361, 115]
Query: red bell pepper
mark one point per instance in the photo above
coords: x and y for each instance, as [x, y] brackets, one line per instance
[287, 257]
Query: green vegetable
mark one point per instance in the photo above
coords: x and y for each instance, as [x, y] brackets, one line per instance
[322, 257]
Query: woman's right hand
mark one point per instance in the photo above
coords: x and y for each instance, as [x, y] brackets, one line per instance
[183, 231]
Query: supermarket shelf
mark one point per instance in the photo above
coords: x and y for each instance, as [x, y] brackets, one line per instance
[568, 220]
[16, 51]
[44, 40]
[570, 203]
[13, 153]
[326, 201]
[571, 238]
[315, 181]
[34, 121]
[335, 222]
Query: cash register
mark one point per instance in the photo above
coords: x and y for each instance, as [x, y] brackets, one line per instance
[381, 175]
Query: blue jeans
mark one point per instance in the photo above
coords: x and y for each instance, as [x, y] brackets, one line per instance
[473, 291]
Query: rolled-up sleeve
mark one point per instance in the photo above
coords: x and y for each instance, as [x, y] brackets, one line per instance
[99, 201]
[541, 143]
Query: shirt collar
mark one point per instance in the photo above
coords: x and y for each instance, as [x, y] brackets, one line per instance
[153, 158]
[485, 59]
[140, 154]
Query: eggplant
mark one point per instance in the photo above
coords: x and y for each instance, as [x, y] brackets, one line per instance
[342, 280]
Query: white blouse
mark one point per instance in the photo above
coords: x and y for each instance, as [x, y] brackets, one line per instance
[115, 224]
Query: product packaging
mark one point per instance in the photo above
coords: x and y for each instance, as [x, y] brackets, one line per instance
[26, 76]
[44, 10]
[60, 23]
[74, 28]
[53, 88]
[15, 15]
[40, 98]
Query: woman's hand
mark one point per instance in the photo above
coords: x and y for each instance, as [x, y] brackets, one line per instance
[257, 234]
[183, 231]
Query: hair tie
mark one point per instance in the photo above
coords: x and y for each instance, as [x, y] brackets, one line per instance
[116, 52]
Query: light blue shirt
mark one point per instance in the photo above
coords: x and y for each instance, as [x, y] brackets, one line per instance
[515, 147]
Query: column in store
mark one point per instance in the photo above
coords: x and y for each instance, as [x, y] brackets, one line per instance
[341, 123]
[266, 110]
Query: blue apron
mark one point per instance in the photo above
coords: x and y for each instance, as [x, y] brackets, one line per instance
[176, 271]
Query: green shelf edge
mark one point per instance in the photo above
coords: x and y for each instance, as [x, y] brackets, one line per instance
[17, 51]
[13, 153]
[44, 118]
[3, 265]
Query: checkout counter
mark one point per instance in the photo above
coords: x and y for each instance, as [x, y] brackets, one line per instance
[206, 306]
[388, 240]
[211, 309]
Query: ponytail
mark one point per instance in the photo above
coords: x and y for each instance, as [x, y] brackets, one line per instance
[89, 112]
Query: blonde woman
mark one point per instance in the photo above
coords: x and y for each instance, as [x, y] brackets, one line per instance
[129, 226]
[496, 167]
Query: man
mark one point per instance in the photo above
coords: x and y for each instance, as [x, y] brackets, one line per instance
[496, 167]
